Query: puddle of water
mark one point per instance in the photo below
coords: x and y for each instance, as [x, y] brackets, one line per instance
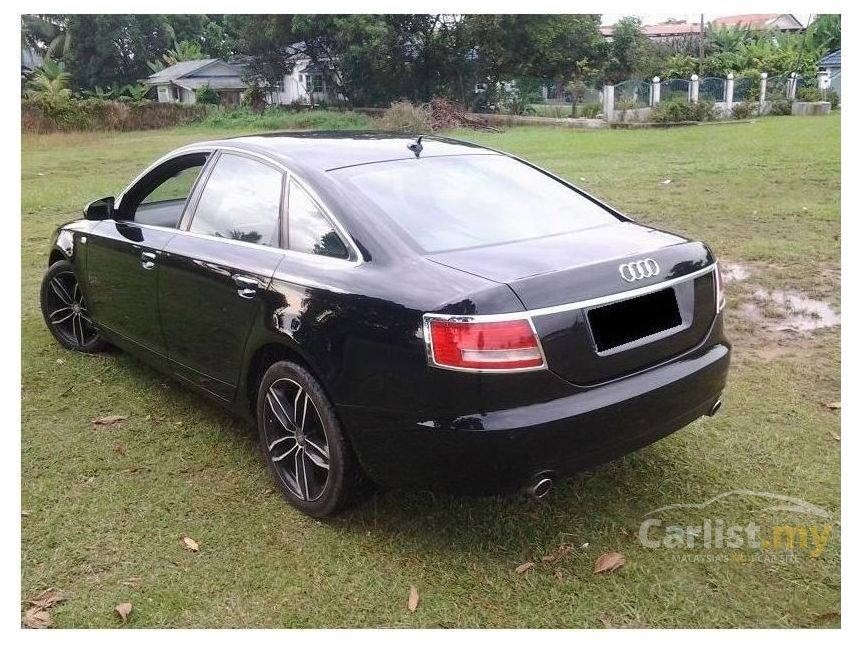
[733, 271]
[795, 312]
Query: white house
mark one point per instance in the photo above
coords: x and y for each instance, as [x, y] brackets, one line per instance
[179, 83]
[306, 84]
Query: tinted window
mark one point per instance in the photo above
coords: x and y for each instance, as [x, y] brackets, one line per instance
[446, 203]
[241, 201]
[309, 230]
[159, 198]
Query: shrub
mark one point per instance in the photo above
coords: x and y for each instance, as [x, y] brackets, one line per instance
[679, 110]
[403, 116]
[282, 118]
[833, 97]
[207, 96]
[780, 107]
[744, 110]
[810, 94]
[588, 110]
[254, 97]
[45, 115]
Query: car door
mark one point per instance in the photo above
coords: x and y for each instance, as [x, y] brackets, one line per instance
[122, 268]
[214, 274]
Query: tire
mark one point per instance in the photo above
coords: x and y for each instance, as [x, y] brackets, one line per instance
[65, 312]
[299, 436]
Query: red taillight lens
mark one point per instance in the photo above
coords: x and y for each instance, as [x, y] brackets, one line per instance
[721, 295]
[471, 345]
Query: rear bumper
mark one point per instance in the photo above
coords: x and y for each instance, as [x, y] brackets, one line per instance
[503, 450]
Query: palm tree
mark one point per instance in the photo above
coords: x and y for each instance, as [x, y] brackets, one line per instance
[182, 51]
[49, 82]
[46, 34]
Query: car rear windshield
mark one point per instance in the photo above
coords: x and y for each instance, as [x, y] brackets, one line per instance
[457, 202]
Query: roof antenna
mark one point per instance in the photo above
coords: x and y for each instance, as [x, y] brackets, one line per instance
[416, 147]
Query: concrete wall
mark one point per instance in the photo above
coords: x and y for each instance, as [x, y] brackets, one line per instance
[801, 108]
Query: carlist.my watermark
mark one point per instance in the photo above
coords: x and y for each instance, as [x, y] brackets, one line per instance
[723, 539]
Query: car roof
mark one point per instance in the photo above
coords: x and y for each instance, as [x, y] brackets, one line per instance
[321, 151]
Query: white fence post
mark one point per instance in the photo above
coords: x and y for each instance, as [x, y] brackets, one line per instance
[791, 90]
[655, 91]
[730, 92]
[823, 81]
[609, 102]
[694, 88]
[762, 92]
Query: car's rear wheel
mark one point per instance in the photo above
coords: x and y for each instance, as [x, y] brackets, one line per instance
[303, 442]
[66, 312]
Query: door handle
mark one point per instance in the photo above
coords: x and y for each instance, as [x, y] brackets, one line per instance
[247, 286]
[147, 260]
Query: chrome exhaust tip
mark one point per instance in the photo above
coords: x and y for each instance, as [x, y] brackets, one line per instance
[540, 488]
[715, 408]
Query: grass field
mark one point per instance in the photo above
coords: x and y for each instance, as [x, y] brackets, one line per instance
[105, 510]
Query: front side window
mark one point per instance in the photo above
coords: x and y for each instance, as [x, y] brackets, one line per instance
[309, 230]
[159, 198]
[241, 201]
[454, 202]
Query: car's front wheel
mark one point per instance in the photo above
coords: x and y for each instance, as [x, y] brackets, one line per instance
[65, 311]
[303, 442]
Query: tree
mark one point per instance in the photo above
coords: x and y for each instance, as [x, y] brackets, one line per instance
[50, 82]
[46, 34]
[630, 52]
[264, 39]
[113, 49]
[826, 31]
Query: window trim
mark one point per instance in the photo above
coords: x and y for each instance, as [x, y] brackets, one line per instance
[356, 257]
[322, 211]
[265, 162]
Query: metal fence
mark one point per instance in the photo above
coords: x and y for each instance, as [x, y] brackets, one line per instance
[674, 89]
[776, 88]
[745, 89]
[712, 88]
[632, 94]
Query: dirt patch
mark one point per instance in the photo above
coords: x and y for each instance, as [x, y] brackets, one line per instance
[786, 311]
[734, 271]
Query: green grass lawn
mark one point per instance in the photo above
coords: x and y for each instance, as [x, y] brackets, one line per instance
[105, 510]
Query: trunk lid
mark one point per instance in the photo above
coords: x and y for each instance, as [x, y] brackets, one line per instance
[616, 326]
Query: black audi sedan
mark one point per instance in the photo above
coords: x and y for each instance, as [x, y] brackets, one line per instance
[411, 312]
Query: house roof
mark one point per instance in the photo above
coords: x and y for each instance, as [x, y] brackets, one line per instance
[755, 20]
[833, 59]
[180, 69]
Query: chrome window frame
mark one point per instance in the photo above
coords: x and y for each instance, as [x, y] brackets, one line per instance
[356, 258]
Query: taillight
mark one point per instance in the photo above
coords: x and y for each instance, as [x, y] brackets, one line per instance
[475, 345]
[718, 281]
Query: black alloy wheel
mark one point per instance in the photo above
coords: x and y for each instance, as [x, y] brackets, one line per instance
[303, 442]
[65, 310]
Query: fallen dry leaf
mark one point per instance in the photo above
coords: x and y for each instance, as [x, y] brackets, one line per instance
[609, 562]
[558, 553]
[110, 419]
[124, 610]
[525, 566]
[190, 544]
[835, 436]
[36, 618]
[828, 616]
[834, 405]
[119, 449]
[412, 603]
[47, 599]
[130, 582]
[559, 575]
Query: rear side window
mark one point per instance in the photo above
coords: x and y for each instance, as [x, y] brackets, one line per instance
[309, 230]
[241, 201]
[456, 202]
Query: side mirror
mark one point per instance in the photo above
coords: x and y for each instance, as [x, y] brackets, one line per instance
[99, 209]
